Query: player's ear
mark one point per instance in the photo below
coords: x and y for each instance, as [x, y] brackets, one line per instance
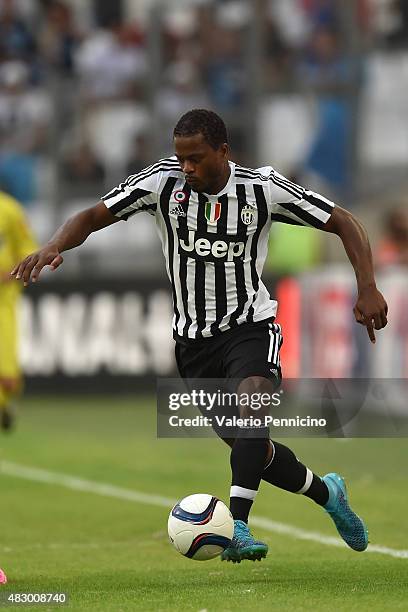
[225, 150]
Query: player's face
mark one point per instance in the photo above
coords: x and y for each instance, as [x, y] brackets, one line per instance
[206, 169]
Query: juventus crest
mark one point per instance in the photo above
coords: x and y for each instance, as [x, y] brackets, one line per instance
[247, 214]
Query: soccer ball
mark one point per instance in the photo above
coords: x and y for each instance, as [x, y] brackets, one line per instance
[200, 527]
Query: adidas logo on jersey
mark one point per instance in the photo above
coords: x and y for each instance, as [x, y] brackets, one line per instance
[178, 211]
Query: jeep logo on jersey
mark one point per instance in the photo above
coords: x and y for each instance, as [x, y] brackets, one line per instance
[247, 214]
[212, 211]
[211, 248]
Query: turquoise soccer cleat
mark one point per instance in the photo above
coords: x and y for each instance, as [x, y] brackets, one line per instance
[244, 546]
[350, 526]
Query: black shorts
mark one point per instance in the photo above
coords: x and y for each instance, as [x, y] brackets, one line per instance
[251, 349]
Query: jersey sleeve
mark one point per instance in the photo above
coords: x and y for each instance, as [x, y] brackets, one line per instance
[290, 203]
[138, 193]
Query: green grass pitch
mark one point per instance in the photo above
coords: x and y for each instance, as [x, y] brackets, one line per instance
[110, 553]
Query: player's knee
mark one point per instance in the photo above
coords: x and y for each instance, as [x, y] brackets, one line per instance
[255, 393]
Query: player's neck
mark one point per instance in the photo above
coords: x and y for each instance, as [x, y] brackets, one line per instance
[221, 182]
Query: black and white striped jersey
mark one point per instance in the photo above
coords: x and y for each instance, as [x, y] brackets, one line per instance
[215, 246]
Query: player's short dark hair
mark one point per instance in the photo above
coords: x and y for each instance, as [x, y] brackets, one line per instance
[205, 122]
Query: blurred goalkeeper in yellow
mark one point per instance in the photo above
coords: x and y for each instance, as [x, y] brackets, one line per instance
[16, 242]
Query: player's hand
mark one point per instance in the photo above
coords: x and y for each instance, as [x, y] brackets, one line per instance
[371, 310]
[31, 266]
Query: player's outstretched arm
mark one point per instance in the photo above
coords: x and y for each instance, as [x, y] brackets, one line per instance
[371, 308]
[70, 235]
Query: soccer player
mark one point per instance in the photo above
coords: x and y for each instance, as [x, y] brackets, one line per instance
[213, 217]
[16, 241]
[3, 577]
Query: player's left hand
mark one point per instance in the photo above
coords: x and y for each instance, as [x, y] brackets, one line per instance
[371, 310]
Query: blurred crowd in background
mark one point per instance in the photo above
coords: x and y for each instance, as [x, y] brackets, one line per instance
[90, 90]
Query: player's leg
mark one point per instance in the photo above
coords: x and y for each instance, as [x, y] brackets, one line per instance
[249, 454]
[10, 373]
[251, 357]
[282, 468]
[285, 471]
[246, 360]
[205, 360]
[8, 390]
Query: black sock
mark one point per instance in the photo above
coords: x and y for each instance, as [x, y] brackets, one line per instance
[286, 472]
[318, 491]
[248, 457]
